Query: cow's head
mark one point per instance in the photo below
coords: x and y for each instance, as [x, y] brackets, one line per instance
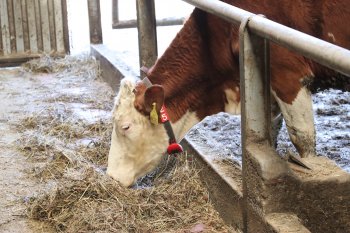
[137, 145]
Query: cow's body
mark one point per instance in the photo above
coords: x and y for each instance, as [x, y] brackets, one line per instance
[199, 73]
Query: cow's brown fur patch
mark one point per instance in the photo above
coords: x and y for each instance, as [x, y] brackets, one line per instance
[203, 58]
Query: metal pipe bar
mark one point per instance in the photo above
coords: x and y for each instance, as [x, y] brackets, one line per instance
[325, 53]
[226, 11]
[160, 22]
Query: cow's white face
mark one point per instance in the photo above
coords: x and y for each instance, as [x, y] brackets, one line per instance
[136, 146]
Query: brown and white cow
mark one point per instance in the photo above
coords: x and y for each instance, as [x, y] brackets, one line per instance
[196, 74]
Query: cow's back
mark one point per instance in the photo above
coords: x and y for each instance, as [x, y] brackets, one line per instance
[324, 19]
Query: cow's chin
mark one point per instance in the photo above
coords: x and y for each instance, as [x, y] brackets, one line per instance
[121, 176]
[133, 157]
[127, 171]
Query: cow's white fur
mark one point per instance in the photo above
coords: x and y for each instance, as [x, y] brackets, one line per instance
[300, 121]
[332, 37]
[136, 145]
[184, 124]
[232, 106]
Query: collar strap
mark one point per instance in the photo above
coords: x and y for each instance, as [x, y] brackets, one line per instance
[173, 147]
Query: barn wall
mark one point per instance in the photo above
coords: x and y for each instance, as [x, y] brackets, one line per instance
[32, 27]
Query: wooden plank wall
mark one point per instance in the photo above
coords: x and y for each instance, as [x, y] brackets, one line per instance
[33, 27]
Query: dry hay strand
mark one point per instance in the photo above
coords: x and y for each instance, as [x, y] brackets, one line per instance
[88, 201]
[54, 168]
[48, 137]
[101, 101]
[35, 146]
[96, 203]
[63, 125]
[96, 151]
[77, 65]
[50, 160]
[85, 199]
[76, 71]
[98, 147]
[52, 123]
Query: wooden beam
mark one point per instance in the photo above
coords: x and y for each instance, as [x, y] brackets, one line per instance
[16, 60]
[39, 34]
[12, 30]
[146, 21]
[1, 33]
[115, 12]
[52, 25]
[95, 22]
[25, 26]
[65, 26]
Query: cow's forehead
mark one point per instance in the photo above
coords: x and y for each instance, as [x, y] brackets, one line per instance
[127, 86]
[125, 93]
[124, 108]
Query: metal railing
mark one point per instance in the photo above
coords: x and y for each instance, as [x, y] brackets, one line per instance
[254, 68]
[255, 81]
[255, 77]
[323, 52]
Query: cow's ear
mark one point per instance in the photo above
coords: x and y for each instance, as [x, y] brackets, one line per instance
[154, 94]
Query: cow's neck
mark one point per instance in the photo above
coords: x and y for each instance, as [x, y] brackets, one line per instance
[184, 124]
[184, 70]
[196, 72]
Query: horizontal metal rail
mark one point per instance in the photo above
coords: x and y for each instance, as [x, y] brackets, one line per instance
[160, 22]
[325, 53]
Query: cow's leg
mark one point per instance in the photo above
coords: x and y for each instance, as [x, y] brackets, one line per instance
[299, 119]
[276, 121]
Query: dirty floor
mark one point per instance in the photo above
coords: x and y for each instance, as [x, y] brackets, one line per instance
[22, 93]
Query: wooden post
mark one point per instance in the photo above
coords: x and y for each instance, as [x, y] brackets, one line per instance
[39, 34]
[115, 12]
[1, 46]
[52, 25]
[146, 24]
[11, 19]
[65, 26]
[256, 119]
[95, 22]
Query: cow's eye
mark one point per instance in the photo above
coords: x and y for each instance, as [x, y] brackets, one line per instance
[125, 127]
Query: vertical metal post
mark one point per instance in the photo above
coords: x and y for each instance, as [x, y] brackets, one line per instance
[95, 21]
[255, 97]
[115, 12]
[146, 24]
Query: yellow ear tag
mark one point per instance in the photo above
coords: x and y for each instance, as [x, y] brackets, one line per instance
[154, 115]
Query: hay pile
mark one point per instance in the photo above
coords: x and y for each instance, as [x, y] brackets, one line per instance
[73, 153]
[83, 66]
[89, 201]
